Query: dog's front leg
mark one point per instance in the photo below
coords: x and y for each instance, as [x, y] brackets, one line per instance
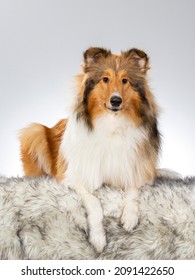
[94, 211]
[130, 214]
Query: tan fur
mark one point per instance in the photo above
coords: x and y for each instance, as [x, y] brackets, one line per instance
[61, 167]
[40, 148]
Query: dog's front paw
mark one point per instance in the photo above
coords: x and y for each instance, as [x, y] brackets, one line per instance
[129, 219]
[98, 240]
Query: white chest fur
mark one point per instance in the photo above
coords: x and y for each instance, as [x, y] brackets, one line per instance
[104, 155]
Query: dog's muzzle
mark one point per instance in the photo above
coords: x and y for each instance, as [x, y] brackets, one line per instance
[115, 103]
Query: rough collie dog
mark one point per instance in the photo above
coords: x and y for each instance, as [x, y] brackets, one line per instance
[111, 136]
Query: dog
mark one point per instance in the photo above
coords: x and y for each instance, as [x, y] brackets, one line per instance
[110, 137]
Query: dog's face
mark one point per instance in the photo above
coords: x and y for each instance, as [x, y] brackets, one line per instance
[115, 84]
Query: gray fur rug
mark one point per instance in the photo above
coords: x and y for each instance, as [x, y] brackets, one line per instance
[40, 219]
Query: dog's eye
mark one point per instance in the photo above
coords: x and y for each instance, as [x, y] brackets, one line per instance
[105, 80]
[124, 81]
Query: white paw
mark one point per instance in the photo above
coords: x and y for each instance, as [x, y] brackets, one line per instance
[98, 241]
[129, 219]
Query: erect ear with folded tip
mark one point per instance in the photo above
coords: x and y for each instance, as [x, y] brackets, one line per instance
[93, 55]
[139, 57]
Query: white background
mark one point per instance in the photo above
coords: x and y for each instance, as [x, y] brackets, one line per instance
[41, 46]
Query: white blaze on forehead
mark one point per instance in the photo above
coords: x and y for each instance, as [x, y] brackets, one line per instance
[116, 93]
[117, 62]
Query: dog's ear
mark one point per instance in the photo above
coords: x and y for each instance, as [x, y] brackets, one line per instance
[139, 58]
[93, 55]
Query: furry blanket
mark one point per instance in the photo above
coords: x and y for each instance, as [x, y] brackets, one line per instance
[40, 219]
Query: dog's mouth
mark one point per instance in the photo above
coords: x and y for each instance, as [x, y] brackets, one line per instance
[113, 108]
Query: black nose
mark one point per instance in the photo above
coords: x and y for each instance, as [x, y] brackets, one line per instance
[115, 101]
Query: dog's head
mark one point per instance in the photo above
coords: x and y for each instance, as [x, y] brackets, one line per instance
[115, 84]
